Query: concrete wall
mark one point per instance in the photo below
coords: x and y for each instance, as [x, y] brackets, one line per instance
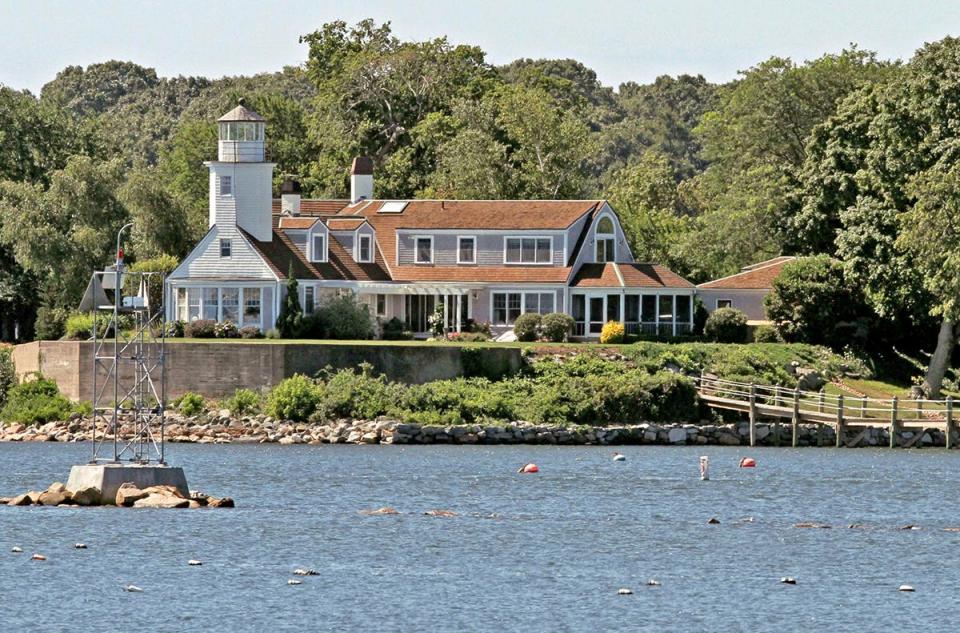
[218, 369]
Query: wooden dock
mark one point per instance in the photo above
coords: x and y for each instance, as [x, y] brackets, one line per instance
[835, 411]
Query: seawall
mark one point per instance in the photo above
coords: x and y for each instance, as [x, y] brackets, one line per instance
[217, 369]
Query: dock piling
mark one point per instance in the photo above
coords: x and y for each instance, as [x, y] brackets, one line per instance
[839, 420]
[753, 414]
[795, 422]
[949, 417]
[893, 422]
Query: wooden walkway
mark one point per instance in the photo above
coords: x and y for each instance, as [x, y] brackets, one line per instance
[836, 411]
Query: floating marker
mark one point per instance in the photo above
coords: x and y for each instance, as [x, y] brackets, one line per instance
[653, 582]
[294, 581]
[133, 589]
[194, 562]
[619, 457]
[16, 550]
[305, 572]
[529, 468]
[748, 462]
[623, 591]
[38, 557]
[713, 521]
[79, 546]
[907, 588]
[788, 580]
[704, 468]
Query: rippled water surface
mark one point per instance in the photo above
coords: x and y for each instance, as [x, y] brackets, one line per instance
[542, 552]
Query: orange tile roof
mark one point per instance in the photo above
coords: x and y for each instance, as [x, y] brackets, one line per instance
[756, 277]
[491, 274]
[344, 224]
[289, 222]
[479, 214]
[627, 275]
[281, 253]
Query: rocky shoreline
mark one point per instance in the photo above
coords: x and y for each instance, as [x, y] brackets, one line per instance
[222, 428]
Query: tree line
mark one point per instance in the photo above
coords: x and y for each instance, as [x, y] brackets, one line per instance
[846, 155]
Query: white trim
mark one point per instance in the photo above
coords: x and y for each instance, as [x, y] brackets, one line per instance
[716, 303]
[506, 238]
[356, 248]
[472, 238]
[313, 235]
[478, 231]
[523, 292]
[416, 249]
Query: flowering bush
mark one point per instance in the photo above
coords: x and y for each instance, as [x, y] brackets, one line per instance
[226, 330]
[174, 329]
[612, 332]
[201, 328]
[250, 331]
[437, 322]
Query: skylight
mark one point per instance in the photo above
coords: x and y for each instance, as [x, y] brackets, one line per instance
[394, 206]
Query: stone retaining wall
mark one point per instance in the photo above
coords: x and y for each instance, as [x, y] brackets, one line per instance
[217, 369]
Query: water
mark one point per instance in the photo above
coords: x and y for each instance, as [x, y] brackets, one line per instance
[542, 552]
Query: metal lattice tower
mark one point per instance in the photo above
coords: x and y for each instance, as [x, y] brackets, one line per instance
[129, 376]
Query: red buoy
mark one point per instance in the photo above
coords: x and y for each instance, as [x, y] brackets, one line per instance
[748, 462]
[529, 468]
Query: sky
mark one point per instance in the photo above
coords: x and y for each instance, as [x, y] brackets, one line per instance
[622, 40]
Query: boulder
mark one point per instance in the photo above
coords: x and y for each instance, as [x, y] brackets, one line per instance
[379, 511]
[440, 513]
[88, 496]
[809, 379]
[165, 490]
[222, 502]
[161, 501]
[53, 497]
[677, 435]
[128, 494]
[21, 500]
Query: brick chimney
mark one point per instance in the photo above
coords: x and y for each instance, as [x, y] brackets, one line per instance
[361, 179]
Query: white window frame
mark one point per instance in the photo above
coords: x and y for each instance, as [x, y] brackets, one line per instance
[611, 236]
[717, 305]
[360, 238]
[313, 251]
[506, 240]
[226, 185]
[473, 239]
[226, 241]
[416, 249]
[523, 302]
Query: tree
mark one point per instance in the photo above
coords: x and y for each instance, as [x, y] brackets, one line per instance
[811, 302]
[159, 219]
[290, 320]
[184, 174]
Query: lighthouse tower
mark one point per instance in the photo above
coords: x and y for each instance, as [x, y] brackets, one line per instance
[241, 181]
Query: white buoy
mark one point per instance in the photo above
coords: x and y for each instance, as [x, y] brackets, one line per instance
[133, 589]
[194, 562]
[623, 591]
[38, 557]
[907, 588]
[619, 457]
[16, 550]
[704, 468]
[653, 582]
[79, 546]
[294, 581]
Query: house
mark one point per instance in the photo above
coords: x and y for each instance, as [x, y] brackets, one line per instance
[482, 260]
[745, 290]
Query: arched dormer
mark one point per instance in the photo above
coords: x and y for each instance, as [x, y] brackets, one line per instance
[605, 240]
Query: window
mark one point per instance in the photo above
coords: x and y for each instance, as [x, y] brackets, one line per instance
[381, 305]
[236, 131]
[613, 307]
[319, 253]
[632, 309]
[423, 250]
[724, 303]
[230, 304]
[506, 307]
[648, 312]
[539, 302]
[226, 185]
[251, 306]
[467, 250]
[193, 296]
[308, 302]
[666, 308]
[211, 304]
[528, 250]
[606, 243]
[225, 248]
[682, 303]
[364, 250]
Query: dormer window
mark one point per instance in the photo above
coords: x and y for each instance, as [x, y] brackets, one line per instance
[318, 246]
[605, 240]
[423, 250]
[365, 249]
[226, 185]
[467, 250]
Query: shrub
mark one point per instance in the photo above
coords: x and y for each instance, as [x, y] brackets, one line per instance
[50, 323]
[468, 337]
[191, 403]
[250, 331]
[479, 327]
[765, 334]
[79, 325]
[527, 326]
[8, 374]
[437, 322]
[243, 401]
[201, 328]
[225, 329]
[295, 398]
[394, 330]
[35, 401]
[175, 329]
[290, 319]
[360, 395]
[484, 362]
[273, 333]
[726, 325]
[342, 318]
[612, 332]
[557, 327]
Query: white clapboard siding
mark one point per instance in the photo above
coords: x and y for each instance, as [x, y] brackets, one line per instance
[205, 261]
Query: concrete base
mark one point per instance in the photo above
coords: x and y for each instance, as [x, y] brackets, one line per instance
[108, 477]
